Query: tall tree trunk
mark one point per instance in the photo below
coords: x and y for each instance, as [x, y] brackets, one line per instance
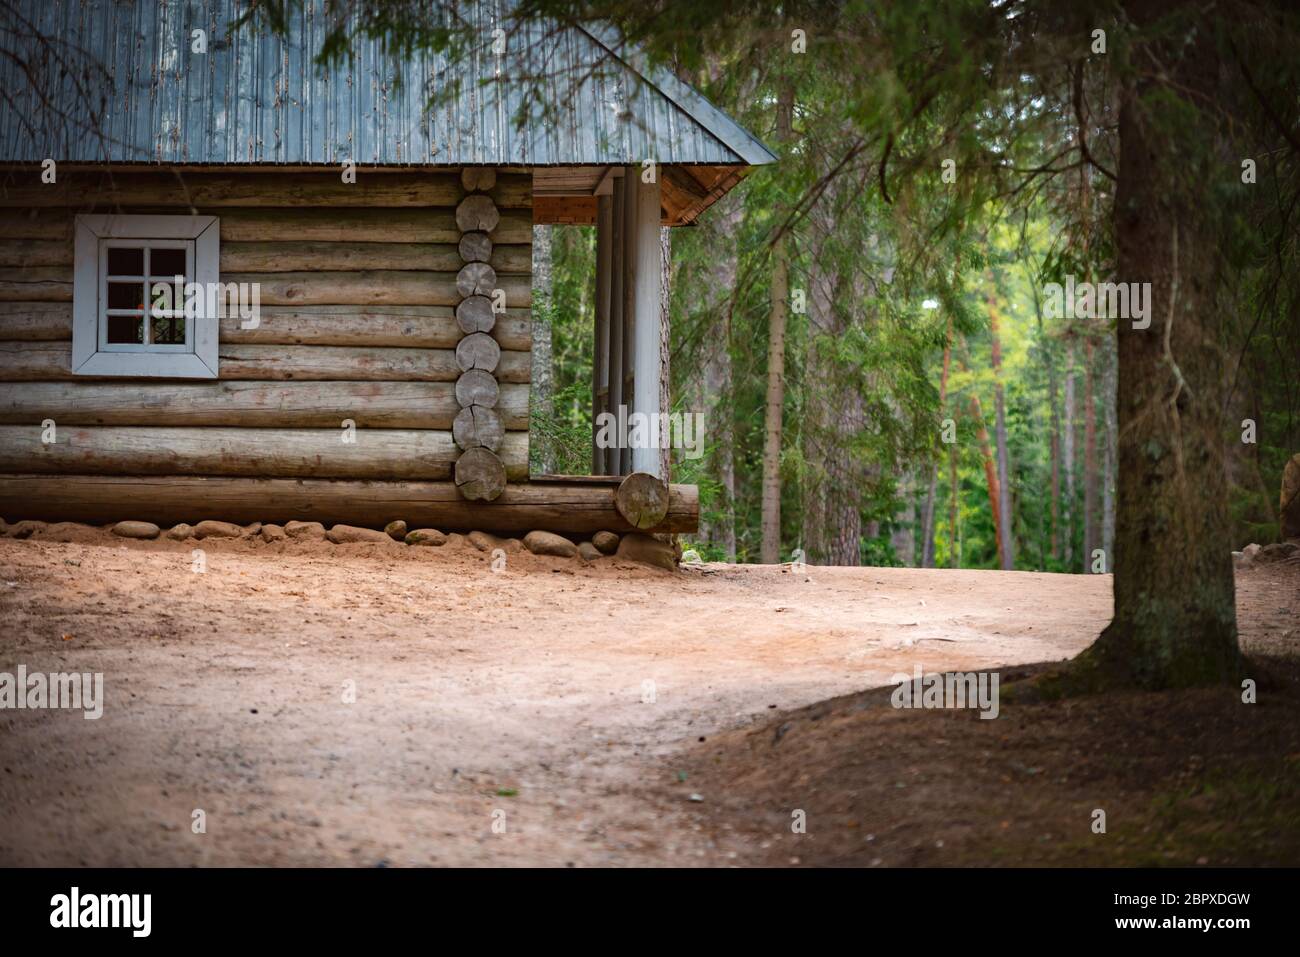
[1054, 451]
[770, 550]
[990, 475]
[720, 528]
[1056, 462]
[1175, 614]
[1108, 458]
[832, 520]
[1007, 553]
[927, 524]
[954, 553]
[543, 388]
[927, 519]
[1091, 523]
[1067, 461]
[903, 539]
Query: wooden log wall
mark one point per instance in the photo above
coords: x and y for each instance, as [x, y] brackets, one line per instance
[578, 509]
[360, 287]
[484, 464]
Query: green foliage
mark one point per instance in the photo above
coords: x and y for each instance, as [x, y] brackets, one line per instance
[889, 95]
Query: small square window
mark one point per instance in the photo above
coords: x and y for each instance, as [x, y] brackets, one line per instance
[129, 294]
[124, 330]
[164, 264]
[123, 261]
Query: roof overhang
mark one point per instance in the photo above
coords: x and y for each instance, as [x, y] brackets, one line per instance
[568, 195]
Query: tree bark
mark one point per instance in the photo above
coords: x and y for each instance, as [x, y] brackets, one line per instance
[954, 551]
[770, 549]
[724, 223]
[1007, 552]
[927, 530]
[902, 539]
[990, 475]
[1175, 615]
[1067, 462]
[1091, 525]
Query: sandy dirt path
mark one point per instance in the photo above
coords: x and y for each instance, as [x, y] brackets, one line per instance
[555, 692]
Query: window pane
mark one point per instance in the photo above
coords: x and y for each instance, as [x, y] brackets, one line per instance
[126, 295]
[125, 262]
[167, 263]
[124, 329]
[169, 332]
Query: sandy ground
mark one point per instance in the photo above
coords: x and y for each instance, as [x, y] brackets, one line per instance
[554, 698]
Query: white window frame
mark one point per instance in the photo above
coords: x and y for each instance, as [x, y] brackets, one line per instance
[200, 236]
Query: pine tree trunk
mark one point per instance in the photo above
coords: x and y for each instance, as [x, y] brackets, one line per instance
[1175, 613]
[1007, 552]
[927, 519]
[720, 528]
[990, 475]
[770, 550]
[1067, 463]
[1108, 458]
[954, 553]
[927, 530]
[1054, 442]
[1091, 523]
[903, 540]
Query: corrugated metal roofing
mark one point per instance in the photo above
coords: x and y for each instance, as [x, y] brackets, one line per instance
[255, 97]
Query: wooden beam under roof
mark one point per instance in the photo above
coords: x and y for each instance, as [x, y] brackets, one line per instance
[565, 195]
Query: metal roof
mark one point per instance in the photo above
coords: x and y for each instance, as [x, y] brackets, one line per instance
[258, 98]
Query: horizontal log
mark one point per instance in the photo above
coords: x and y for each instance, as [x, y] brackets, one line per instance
[45, 252]
[47, 224]
[319, 256]
[345, 363]
[250, 404]
[52, 361]
[52, 284]
[359, 287]
[35, 361]
[424, 327]
[522, 507]
[356, 225]
[39, 321]
[387, 454]
[375, 287]
[361, 225]
[190, 190]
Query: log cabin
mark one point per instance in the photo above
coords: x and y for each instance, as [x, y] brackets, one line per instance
[379, 216]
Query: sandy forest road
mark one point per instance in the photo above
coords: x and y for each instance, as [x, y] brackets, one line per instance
[224, 692]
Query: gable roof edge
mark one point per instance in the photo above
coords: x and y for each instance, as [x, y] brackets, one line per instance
[682, 95]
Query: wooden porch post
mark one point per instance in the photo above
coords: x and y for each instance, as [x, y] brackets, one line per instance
[617, 323]
[627, 394]
[600, 347]
[646, 280]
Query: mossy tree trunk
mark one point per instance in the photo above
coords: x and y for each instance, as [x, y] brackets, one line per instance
[1175, 616]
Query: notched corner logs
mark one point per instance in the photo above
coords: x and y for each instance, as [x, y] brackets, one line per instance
[478, 431]
[642, 499]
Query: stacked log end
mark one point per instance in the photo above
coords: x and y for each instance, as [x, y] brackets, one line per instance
[642, 499]
[477, 430]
